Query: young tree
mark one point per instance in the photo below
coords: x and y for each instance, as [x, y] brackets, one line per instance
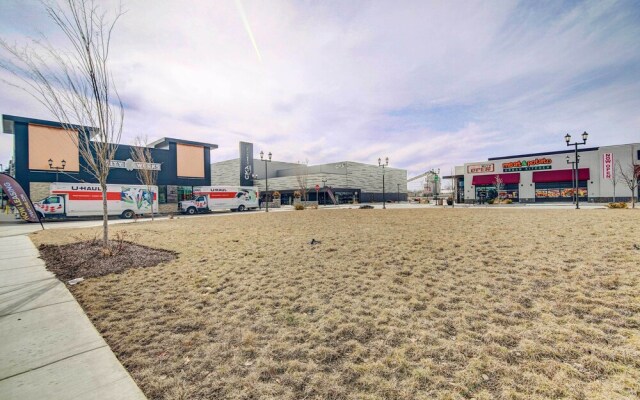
[146, 175]
[615, 179]
[76, 85]
[302, 173]
[630, 175]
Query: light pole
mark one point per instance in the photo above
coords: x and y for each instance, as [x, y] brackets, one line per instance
[380, 164]
[324, 191]
[266, 177]
[574, 187]
[58, 169]
[254, 177]
[567, 138]
[436, 178]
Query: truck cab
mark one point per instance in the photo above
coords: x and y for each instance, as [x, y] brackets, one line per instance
[53, 206]
[198, 204]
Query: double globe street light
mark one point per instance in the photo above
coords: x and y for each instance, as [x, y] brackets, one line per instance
[58, 169]
[266, 177]
[567, 138]
[383, 165]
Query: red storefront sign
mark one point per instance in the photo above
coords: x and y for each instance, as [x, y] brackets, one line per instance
[607, 166]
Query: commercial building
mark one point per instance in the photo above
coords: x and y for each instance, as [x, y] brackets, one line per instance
[549, 177]
[347, 180]
[44, 152]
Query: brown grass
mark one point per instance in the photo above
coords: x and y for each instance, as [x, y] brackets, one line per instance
[395, 304]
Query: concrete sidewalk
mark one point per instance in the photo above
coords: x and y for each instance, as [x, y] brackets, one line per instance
[48, 347]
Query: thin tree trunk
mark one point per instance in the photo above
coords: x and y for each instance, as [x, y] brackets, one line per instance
[105, 221]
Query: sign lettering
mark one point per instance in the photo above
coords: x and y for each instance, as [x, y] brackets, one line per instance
[480, 168]
[527, 165]
[607, 166]
[130, 165]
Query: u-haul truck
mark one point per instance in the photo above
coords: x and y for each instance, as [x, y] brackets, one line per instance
[85, 199]
[215, 198]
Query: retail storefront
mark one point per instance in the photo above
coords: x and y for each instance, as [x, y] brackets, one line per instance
[46, 153]
[550, 177]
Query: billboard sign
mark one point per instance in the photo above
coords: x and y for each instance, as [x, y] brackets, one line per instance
[246, 164]
[607, 166]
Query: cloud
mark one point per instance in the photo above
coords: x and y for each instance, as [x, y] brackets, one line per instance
[427, 84]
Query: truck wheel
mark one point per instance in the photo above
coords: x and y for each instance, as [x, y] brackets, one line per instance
[240, 208]
[191, 210]
[40, 216]
[128, 214]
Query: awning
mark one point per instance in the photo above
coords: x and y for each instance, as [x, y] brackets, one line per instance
[491, 179]
[560, 175]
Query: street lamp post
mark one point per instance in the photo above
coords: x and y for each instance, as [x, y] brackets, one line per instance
[383, 165]
[266, 177]
[567, 138]
[324, 191]
[58, 169]
[574, 186]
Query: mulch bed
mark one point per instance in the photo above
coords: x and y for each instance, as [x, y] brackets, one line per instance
[85, 259]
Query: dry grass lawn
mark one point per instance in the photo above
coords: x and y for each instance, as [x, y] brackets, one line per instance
[395, 304]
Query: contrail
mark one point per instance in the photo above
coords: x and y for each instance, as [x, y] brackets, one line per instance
[245, 21]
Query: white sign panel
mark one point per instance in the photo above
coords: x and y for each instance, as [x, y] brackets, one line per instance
[130, 165]
[480, 168]
[607, 166]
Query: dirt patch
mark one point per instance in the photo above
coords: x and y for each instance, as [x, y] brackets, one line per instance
[85, 259]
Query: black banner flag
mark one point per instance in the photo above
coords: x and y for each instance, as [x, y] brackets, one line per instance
[18, 198]
[246, 164]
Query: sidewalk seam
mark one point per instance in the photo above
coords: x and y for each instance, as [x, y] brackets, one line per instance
[36, 308]
[24, 283]
[51, 363]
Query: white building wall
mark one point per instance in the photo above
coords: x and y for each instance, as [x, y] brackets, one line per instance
[599, 188]
[365, 177]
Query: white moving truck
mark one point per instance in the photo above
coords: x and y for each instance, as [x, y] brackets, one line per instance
[215, 198]
[85, 199]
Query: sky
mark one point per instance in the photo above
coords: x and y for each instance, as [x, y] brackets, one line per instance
[429, 84]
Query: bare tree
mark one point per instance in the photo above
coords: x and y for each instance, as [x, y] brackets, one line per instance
[302, 175]
[630, 175]
[76, 85]
[147, 175]
[615, 179]
[499, 183]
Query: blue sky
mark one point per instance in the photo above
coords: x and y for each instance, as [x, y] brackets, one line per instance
[428, 84]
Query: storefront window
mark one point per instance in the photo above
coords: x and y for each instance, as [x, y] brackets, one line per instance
[559, 191]
[185, 193]
[489, 192]
[162, 194]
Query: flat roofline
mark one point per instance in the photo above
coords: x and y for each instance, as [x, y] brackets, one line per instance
[547, 153]
[44, 122]
[166, 140]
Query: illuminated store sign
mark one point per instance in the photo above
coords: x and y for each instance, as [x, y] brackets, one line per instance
[527, 165]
